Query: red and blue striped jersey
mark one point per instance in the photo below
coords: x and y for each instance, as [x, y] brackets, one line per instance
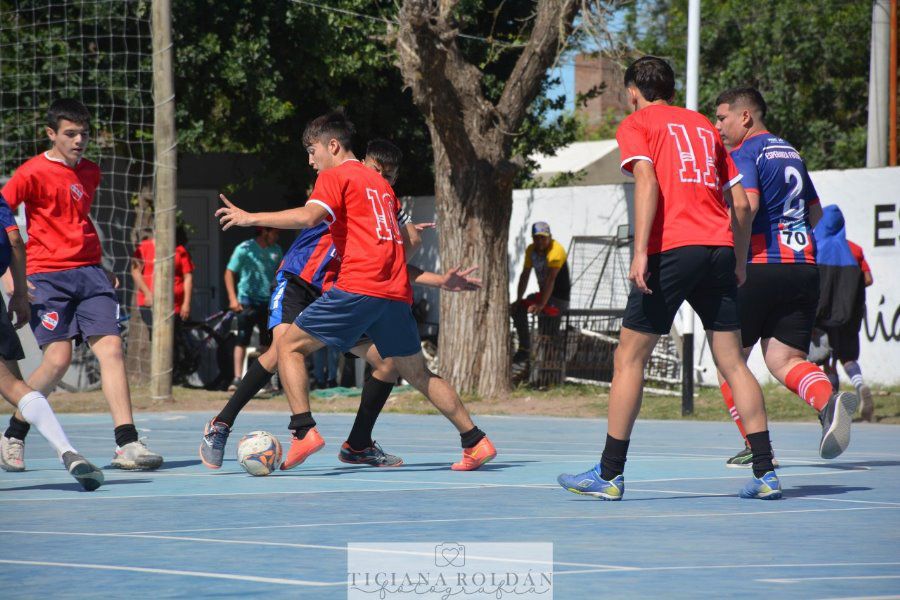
[313, 258]
[781, 230]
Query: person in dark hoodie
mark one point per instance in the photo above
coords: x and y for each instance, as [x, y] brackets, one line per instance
[842, 299]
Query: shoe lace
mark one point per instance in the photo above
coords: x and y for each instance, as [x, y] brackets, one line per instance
[217, 436]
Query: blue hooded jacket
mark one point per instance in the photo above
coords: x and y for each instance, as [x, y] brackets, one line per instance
[841, 286]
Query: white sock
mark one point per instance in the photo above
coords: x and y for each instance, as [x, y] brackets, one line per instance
[36, 410]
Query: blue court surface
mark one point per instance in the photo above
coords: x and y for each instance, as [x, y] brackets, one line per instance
[681, 530]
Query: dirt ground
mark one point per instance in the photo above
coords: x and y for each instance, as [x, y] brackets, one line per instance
[564, 401]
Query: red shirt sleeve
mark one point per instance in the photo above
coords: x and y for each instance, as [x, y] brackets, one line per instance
[327, 193]
[859, 256]
[187, 265]
[17, 189]
[633, 144]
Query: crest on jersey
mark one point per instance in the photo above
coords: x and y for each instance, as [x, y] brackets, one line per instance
[77, 192]
[50, 320]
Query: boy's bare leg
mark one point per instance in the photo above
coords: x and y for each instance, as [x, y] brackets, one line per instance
[440, 393]
[626, 392]
[108, 350]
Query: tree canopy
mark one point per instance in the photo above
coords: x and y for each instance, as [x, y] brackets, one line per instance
[809, 58]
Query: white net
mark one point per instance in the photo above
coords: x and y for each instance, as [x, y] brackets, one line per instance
[100, 52]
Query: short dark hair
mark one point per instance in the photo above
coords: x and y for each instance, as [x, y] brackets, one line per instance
[653, 77]
[744, 95]
[334, 125]
[384, 153]
[69, 109]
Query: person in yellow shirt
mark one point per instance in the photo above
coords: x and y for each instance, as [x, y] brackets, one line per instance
[548, 259]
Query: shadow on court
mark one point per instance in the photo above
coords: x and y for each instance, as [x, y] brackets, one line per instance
[73, 486]
[802, 491]
[177, 464]
[410, 468]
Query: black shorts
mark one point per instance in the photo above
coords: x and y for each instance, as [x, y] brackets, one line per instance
[702, 275]
[779, 301]
[291, 296]
[844, 340]
[254, 315]
[10, 347]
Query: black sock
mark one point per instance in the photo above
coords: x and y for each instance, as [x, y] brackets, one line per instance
[762, 452]
[301, 423]
[612, 461]
[255, 379]
[471, 438]
[125, 434]
[17, 429]
[374, 395]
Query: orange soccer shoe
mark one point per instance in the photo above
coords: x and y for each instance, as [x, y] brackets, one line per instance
[479, 454]
[300, 450]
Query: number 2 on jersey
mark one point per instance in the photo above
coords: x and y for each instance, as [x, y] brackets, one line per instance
[794, 237]
[386, 227]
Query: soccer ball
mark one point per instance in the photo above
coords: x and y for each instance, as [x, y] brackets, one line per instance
[259, 452]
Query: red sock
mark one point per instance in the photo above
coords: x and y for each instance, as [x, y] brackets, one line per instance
[810, 383]
[729, 404]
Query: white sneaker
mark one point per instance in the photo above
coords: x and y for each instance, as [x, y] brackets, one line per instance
[136, 456]
[12, 454]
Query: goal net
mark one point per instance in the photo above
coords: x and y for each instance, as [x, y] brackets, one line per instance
[100, 52]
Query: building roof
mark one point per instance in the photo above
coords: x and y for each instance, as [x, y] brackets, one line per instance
[599, 160]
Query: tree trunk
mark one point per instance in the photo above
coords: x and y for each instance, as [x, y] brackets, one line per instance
[473, 208]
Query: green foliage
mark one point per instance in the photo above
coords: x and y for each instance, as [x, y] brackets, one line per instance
[809, 58]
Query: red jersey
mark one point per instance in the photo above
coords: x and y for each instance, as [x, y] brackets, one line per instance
[692, 168]
[362, 210]
[57, 201]
[859, 256]
[146, 254]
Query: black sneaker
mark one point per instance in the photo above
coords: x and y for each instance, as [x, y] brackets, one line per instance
[744, 458]
[836, 418]
[89, 476]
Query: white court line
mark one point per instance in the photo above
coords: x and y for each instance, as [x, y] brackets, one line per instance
[802, 579]
[743, 566]
[730, 514]
[275, 580]
[344, 548]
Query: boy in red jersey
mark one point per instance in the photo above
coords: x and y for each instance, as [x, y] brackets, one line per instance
[779, 300]
[372, 294]
[683, 250]
[74, 297]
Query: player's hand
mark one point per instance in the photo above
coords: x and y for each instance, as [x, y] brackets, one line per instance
[420, 227]
[19, 310]
[113, 280]
[639, 273]
[536, 308]
[185, 312]
[231, 216]
[740, 272]
[148, 300]
[235, 306]
[456, 280]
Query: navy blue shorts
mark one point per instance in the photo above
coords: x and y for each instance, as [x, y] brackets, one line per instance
[339, 319]
[74, 304]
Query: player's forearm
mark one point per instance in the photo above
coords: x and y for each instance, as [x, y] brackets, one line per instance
[412, 240]
[291, 218]
[523, 285]
[229, 285]
[17, 266]
[139, 282]
[547, 286]
[646, 198]
[188, 288]
[815, 213]
[742, 213]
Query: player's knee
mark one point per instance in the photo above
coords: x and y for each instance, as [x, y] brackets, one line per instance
[57, 364]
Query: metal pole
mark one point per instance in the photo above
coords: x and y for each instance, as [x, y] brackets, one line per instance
[879, 59]
[892, 86]
[163, 202]
[687, 313]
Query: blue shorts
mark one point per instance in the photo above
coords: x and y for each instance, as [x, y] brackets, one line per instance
[340, 318]
[74, 304]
